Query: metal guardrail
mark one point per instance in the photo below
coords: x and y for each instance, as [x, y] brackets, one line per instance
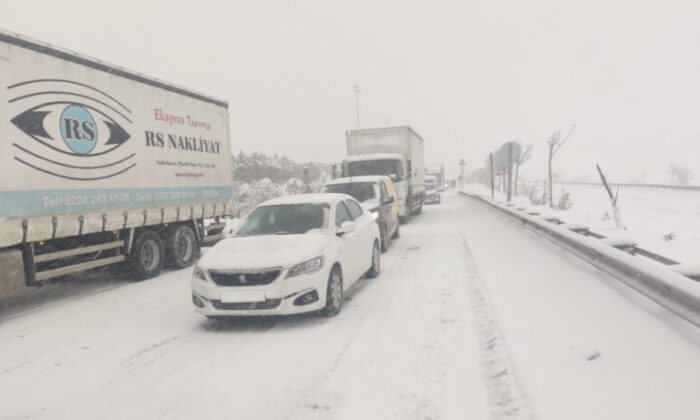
[673, 291]
[632, 185]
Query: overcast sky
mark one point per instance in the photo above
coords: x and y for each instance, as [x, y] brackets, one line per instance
[467, 75]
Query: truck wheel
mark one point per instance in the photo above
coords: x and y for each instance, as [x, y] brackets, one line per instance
[146, 258]
[181, 248]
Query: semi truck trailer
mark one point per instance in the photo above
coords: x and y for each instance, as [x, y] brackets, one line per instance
[396, 152]
[103, 167]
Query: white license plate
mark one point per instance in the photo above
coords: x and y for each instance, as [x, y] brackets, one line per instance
[238, 296]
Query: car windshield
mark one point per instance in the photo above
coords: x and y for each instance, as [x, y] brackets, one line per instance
[360, 191]
[385, 167]
[286, 219]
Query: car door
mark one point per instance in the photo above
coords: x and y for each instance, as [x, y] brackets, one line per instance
[349, 244]
[365, 233]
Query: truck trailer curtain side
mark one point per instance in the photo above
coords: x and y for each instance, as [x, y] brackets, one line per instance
[96, 152]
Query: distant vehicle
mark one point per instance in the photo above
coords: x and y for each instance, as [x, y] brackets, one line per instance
[103, 167]
[376, 194]
[396, 152]
[438, 171]
[290, 255]
[432, 190]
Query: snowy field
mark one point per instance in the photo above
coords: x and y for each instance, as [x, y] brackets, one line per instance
[666, 222]
[472, 317]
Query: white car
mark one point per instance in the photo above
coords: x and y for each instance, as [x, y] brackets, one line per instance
[290, 255]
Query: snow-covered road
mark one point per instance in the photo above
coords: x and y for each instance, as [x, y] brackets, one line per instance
[472, 317]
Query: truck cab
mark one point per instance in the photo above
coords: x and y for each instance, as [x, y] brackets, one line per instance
[393, 165]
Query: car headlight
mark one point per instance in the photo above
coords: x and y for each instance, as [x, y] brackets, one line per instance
[375, 215]
[306, 267]
[198, 273]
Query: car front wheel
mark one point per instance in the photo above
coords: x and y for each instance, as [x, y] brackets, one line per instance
[334, 293]
[384, 236]
[397, 232]
[376, 262]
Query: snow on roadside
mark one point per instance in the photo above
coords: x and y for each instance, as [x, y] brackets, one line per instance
[666, 222]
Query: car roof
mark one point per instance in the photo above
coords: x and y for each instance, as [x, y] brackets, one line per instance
[354, 179]
[316, 198]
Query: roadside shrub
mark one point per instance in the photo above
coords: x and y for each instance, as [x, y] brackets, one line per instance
[536, 195]
[564, 202]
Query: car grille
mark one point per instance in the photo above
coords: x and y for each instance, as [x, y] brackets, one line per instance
[268, 304]
[227, 278]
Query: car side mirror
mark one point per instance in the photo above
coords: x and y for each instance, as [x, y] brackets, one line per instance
[389, 200]
[394, 177]
[346, 227]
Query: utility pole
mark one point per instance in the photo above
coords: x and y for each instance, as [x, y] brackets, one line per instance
[510, 173]
[356, 88]
[461, 177]
[491, 173]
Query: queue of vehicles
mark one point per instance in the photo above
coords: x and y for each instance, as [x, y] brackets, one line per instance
[113, 169]
[433, 187]
[300, 253]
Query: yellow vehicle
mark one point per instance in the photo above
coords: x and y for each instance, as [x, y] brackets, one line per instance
[377, 195]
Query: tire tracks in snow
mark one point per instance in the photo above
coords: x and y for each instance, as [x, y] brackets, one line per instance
[507, 400]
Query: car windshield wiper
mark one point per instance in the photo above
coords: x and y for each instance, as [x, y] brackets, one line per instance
[285, 232]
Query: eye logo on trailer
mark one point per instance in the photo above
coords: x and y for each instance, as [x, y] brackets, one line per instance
[79, 129]
[72, 130]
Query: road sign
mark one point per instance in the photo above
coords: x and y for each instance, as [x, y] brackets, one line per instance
[510, 152]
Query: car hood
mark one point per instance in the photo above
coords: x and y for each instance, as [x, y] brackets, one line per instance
[251, 252]
[370, 205]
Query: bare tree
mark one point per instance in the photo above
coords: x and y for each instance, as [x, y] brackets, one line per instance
[555, 142]
[680, 173]
[525, 154]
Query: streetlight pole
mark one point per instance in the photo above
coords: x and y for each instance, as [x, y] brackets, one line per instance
[356, 88]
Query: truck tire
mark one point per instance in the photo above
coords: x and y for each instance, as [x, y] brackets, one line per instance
[147, 257]
[181, 247]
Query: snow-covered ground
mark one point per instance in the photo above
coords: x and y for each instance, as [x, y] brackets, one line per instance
[666, 222]
[472, 317]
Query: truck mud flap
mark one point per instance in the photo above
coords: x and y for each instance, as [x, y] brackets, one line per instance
[212, 234]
